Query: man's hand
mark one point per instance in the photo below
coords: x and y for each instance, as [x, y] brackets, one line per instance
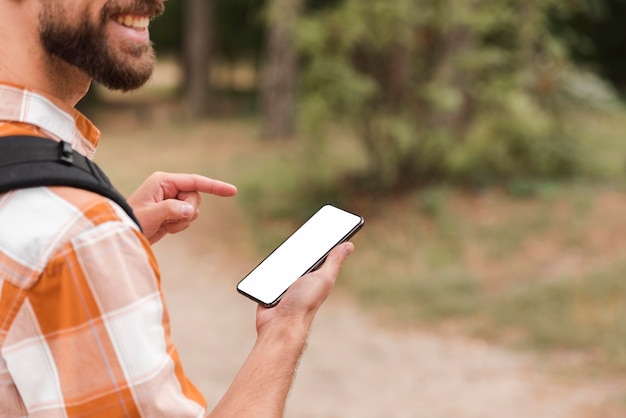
[168, 203]
[303, 299]
[260, 388]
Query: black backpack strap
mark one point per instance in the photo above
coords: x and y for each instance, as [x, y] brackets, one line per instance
[29, 161]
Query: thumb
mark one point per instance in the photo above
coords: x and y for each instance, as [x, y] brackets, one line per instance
[169, 210]
[337, 256]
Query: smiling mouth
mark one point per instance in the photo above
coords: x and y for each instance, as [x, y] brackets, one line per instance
[136, 22]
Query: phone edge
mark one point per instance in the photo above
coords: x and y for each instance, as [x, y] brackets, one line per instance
[315, 266]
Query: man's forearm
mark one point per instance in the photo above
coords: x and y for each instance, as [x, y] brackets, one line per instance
[261, 387]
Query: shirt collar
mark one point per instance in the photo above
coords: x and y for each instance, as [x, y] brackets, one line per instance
[19, 104]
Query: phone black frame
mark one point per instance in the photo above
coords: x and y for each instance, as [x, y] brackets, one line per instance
[315, 265]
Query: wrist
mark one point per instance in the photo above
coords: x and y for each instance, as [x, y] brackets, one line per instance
[289, 332]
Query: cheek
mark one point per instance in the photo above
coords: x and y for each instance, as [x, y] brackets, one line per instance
[70, 13]
[77, 12]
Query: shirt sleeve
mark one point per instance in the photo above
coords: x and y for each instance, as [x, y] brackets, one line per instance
[91, 336]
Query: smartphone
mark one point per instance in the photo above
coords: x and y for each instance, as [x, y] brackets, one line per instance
[304, 251]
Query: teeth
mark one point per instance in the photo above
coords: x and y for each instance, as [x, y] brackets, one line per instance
[133, 21]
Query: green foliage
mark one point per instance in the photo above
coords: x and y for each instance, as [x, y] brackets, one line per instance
[594, 33]
[469, 92]
[430, 300]
[291, 183]
[575, 313]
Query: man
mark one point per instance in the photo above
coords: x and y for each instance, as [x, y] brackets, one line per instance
[83, 326]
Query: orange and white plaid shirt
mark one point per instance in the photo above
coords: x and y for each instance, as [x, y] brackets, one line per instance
[84, 330]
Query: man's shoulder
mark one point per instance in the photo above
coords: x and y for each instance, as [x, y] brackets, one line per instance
[36, 222]
[53, 206]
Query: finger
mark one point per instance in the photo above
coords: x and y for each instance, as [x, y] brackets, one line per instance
[326, 275]
[310, 290]
[156, 236]
[173, 227]
[194, 199]
[170, 210]
[174, 183]
[336, 257]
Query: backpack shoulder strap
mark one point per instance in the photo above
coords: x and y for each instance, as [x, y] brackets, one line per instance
[29, 161]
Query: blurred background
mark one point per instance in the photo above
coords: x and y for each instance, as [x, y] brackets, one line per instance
[483, 141]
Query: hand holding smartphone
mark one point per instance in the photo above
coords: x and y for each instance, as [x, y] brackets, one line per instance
[304, 251]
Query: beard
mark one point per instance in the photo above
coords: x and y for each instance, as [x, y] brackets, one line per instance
[88, 47]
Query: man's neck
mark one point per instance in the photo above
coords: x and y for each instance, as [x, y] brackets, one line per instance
[24, 62]
[65, 84]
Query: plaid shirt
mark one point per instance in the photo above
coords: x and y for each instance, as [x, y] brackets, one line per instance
[83, 326]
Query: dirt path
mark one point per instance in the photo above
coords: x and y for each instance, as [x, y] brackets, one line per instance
[353, 367]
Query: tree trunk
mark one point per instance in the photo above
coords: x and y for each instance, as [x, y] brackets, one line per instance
[447, 72]
[279, 71]
[197, 17]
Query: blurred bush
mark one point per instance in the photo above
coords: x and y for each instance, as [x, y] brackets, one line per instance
[472, 93]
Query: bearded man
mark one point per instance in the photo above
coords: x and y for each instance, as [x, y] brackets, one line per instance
[84, 329]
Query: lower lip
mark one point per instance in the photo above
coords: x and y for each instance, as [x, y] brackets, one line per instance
[133, 35]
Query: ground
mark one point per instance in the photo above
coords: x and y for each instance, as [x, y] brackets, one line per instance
[355, 365]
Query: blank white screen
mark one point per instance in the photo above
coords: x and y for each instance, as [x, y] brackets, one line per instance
[301, 251]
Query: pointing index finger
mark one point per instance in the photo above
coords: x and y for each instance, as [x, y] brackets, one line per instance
[178, 183]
